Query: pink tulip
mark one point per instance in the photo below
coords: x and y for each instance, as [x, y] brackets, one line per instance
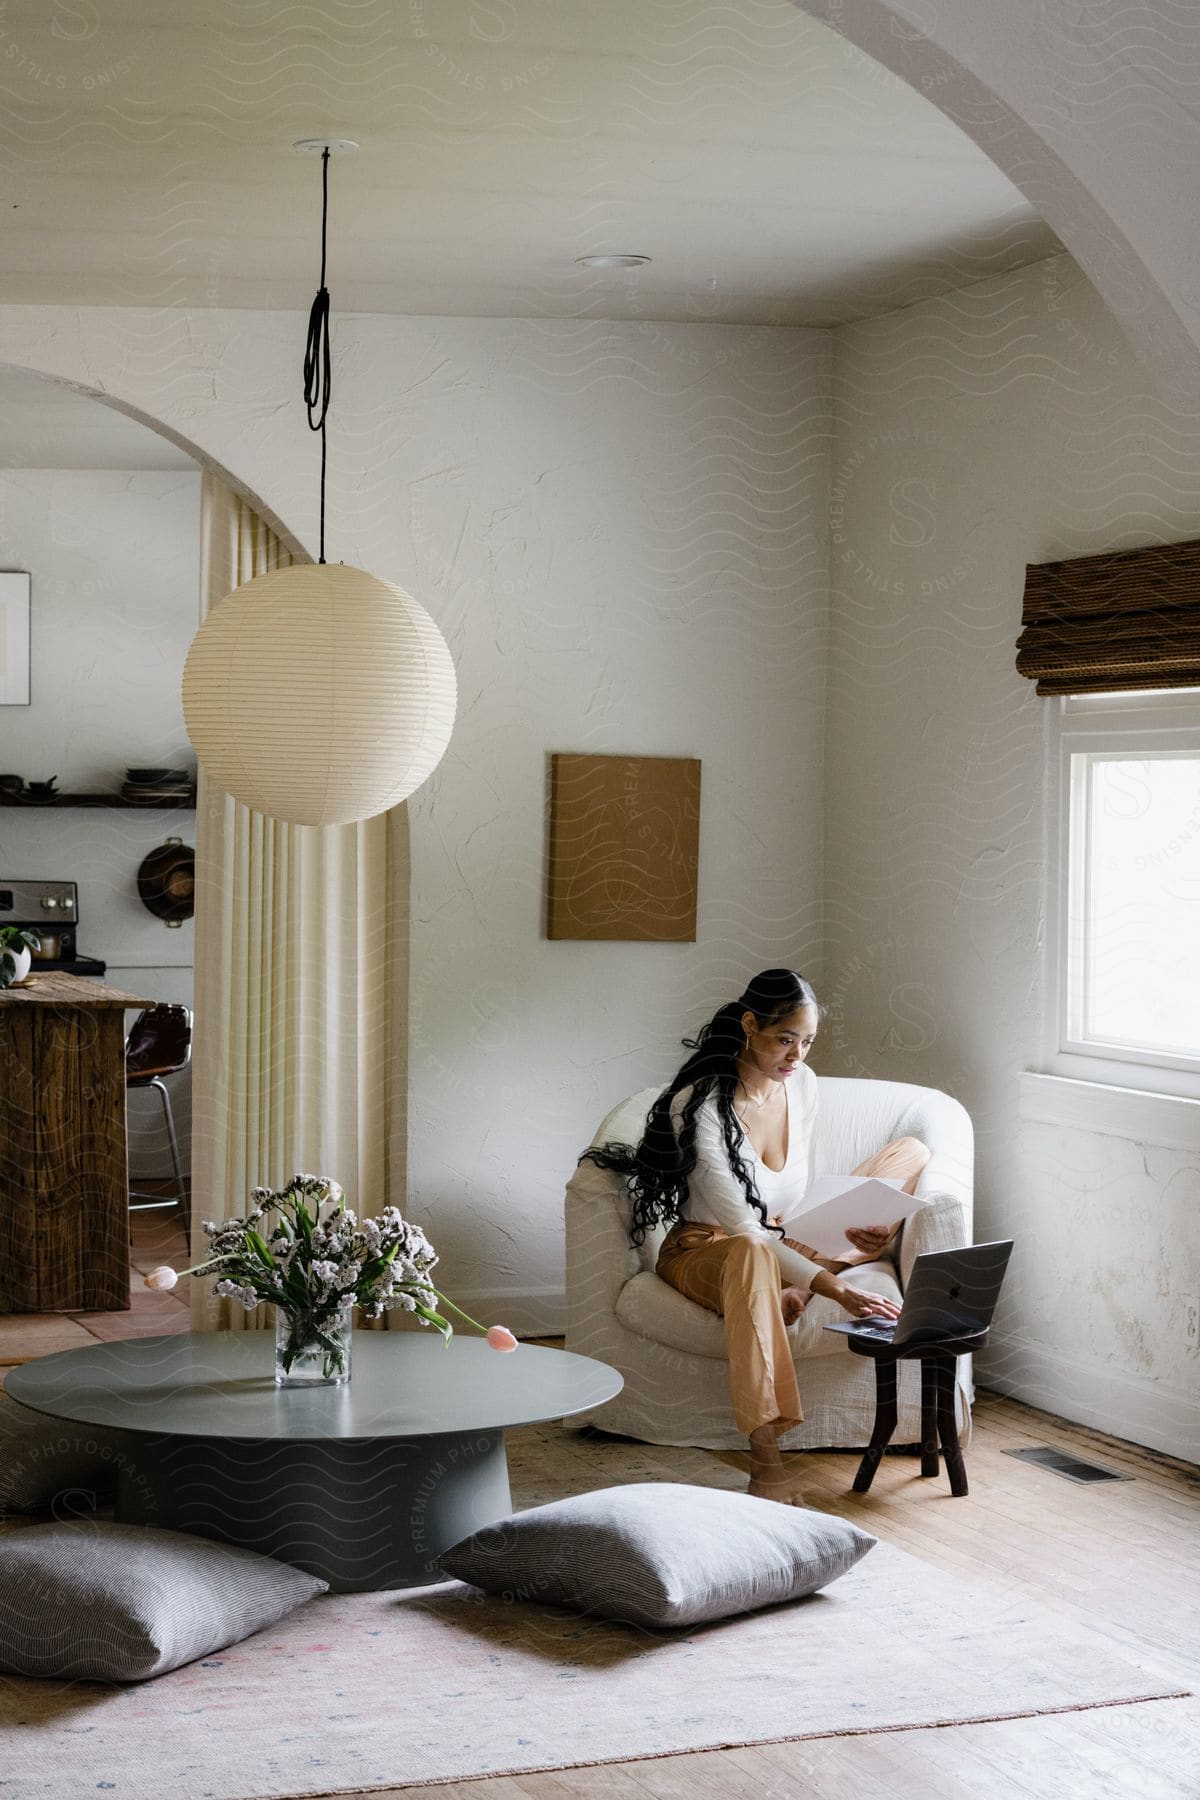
[501, 1338]
[161, 1280]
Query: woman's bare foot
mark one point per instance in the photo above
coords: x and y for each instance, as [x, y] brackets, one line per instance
[770, 1478]
[792, 1303]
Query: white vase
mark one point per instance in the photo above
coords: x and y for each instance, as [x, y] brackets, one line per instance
[24, 957]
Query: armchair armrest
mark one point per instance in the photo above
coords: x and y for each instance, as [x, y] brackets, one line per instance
[599, 1256]
[938, 1224]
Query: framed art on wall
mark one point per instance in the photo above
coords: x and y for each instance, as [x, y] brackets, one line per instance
[14, 639]
[624, 848]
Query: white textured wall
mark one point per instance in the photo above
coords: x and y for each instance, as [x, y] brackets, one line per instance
[112, 556]
[112, 561]
[622, 530]
[1005, 424]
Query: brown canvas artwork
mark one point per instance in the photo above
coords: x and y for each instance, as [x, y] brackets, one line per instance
[624, 848]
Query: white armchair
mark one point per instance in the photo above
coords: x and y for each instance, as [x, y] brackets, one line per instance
[671, 1351]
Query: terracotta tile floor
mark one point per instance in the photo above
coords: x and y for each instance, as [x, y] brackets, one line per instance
[156, 1238]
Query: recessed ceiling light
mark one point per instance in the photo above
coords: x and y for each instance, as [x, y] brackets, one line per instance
[314, 146]
[610, 262]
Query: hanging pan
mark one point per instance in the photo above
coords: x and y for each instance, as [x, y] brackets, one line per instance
[166, 881]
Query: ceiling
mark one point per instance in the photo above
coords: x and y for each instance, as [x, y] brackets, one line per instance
[773, 173]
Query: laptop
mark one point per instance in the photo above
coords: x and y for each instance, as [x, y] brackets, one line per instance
[950, 1294]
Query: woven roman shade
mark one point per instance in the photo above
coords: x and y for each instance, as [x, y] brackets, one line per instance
[1125, 620]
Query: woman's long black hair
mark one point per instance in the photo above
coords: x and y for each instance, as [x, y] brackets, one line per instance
[657, 1169]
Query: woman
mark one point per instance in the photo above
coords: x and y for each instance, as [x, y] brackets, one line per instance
[724, 1157]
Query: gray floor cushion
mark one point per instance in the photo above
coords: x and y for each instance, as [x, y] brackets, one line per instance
[54, 1465]
[99, 1602]
[659, 1553]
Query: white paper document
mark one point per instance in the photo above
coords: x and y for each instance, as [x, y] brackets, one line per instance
[835, 1201]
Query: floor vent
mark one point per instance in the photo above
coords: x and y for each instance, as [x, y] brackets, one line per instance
[1060, 1463]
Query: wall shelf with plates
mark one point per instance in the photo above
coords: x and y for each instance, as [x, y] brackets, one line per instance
[57, 802]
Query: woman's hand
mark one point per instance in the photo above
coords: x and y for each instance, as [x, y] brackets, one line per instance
[871, 1240]
[851, 1300]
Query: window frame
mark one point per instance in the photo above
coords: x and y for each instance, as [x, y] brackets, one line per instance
[1132, 727]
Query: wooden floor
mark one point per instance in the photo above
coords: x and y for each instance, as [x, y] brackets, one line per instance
[1122, 1557]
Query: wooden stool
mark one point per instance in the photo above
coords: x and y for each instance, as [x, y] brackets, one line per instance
[937, 1404]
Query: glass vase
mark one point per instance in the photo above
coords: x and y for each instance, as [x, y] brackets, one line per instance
[313, 1351]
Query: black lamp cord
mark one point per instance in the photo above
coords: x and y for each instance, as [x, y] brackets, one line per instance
[317, 360]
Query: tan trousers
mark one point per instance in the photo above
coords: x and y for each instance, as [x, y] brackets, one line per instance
[741, 1278]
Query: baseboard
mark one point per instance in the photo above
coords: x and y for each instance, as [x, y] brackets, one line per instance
[1095, 1395]
[529, 1312]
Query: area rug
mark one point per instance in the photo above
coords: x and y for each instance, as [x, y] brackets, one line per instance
[440, 1684]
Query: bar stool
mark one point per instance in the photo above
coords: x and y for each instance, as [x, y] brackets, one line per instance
[938, 1371]
[160, 1044]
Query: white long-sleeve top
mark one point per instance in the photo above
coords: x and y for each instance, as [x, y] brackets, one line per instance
[716, 1196]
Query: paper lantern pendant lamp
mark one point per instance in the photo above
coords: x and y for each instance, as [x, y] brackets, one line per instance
[319, 694]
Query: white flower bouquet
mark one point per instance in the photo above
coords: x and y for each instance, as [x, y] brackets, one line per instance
[302, 1249]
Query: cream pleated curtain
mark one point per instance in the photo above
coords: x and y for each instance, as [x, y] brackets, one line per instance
[301, 977]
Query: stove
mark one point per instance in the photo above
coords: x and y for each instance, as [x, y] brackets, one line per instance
[51, 908]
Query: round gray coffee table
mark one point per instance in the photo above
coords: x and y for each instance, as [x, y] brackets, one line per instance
[364, 1485]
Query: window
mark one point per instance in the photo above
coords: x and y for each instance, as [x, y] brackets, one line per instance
[1127, 901]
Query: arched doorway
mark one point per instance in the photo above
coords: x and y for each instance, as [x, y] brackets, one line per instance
[1047, 98]
[265, 1101]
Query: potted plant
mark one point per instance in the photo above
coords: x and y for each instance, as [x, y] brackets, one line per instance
[16, 953]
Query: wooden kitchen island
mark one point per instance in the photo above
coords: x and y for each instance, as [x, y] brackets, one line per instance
[64, 1163]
